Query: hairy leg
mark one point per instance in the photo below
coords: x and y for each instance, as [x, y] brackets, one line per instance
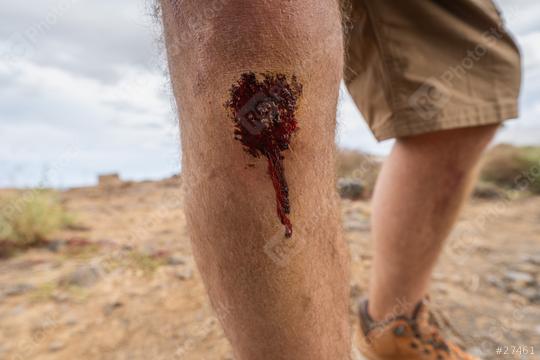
[422, 187]
[276, 297]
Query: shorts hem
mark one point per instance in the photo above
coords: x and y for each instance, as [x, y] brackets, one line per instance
[407, 125]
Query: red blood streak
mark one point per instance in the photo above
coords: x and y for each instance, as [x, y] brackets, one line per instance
[263, 112]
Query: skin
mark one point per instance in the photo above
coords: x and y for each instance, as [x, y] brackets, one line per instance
[295, 307]
[419, 193]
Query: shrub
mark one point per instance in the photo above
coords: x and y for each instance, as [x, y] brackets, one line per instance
[511, 167]
[361, 167]
[30, 217]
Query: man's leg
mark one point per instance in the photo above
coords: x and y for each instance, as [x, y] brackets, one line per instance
[422, 187]
[275, 301]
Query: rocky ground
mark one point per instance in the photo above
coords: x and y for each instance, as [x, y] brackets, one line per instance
[121, 283]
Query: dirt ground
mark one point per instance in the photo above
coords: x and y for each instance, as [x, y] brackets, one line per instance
[121, 284]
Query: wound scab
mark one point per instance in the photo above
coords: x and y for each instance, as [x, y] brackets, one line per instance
[264, 114]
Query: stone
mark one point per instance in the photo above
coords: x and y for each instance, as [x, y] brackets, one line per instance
[355, 292]
[83, 276]
[532, 259]
[17, 310]
[532, 294]
[177, 260]
[184, 274]
[60, 297]
[17, 289]
[488, 191]
[71, 320]
[56, 346]
[526, 267]
[519, 278]
[358, 224]
[495, 281]
[110, 307]
[476, 351]
[56, 245]
[350, 189]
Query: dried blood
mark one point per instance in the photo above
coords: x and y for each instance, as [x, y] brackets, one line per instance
[264, 115]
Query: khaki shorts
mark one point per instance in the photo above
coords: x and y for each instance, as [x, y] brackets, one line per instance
[419, 66]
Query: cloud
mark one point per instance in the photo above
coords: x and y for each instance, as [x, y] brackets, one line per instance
[111, 126]
[94, 38]
[521, 16]
[530, 44]
[87, 78]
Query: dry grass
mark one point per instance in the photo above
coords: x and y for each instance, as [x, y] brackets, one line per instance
[145, 262]
[365, 168]
[29, 218]
[510, 167]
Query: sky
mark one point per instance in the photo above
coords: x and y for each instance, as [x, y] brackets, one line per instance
[84, 91]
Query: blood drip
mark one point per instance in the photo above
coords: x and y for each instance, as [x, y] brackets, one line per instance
[264, 122]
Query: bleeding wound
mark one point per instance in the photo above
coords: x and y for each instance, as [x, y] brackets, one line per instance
[263, 111]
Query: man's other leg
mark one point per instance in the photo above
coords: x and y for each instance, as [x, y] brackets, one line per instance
[419, 193]
[284, 298]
